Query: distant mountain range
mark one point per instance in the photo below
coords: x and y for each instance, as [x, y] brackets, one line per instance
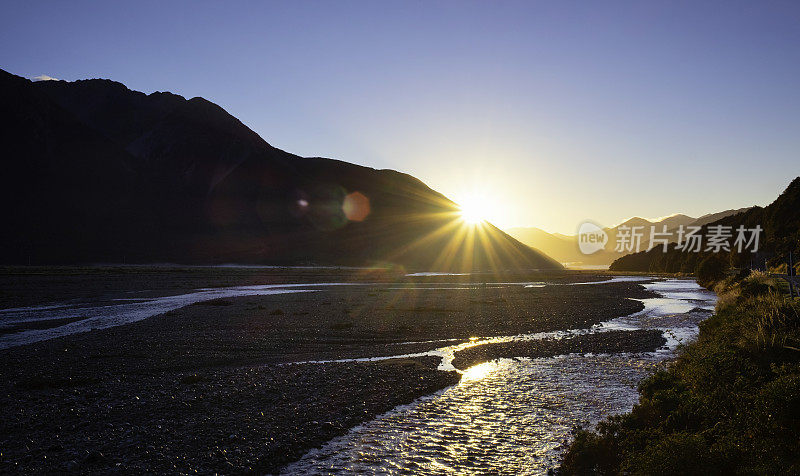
[564, 248]
[95, 172]
[779, 220]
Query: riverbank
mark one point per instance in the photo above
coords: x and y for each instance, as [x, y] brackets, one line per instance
[212, 387]
[728, 405]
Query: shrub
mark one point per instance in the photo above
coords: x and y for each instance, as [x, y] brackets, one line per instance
[730, 404]
[678, 453]
[758, 283]
[590, 453]
[711, 270]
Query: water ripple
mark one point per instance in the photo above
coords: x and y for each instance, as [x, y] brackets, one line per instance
[513, 416]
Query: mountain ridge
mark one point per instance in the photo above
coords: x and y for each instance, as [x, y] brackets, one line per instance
[780, 222]
[98, 172]
[565, 247]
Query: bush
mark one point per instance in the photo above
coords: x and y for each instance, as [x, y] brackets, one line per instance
[758, 283]
[730, 404]
[679, 453]
[590, 453]
[711, 270]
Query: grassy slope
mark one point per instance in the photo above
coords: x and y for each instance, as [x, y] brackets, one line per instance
[730, 404]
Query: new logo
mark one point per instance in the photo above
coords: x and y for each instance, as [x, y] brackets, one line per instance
[591, 238]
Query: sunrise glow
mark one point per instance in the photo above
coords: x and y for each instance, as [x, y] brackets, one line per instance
[476, 206]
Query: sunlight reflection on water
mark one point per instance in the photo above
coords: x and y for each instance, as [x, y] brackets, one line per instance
[513, 416]
[510, 416]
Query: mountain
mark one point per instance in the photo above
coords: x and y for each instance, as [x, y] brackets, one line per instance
[95, 172]
[712, 217]
[565, 248]
[559, 247]
[780, 222]
[676, 220]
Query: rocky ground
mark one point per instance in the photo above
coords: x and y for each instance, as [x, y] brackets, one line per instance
[253, 419]
[212, 388]
[35, 285]
[600, 343]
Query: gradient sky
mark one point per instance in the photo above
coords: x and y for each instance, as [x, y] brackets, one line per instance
[553, 112]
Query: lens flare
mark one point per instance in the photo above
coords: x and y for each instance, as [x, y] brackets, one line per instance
[356, 206]
[474, 210]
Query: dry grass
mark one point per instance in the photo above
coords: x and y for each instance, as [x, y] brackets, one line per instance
[728, 405]
[773, 320]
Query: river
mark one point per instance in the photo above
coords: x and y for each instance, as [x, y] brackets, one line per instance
[515, 416]
[510, 416]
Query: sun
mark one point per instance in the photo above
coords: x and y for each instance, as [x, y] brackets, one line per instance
[474, 210]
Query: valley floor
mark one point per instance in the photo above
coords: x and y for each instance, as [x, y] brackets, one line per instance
[220, 385]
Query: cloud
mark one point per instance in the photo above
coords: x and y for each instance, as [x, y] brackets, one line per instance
[44, 77]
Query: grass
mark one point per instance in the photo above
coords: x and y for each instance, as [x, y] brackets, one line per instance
[730, 404]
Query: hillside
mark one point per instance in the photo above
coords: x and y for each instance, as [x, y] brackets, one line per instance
[728, 405]
[95, 172]
[565, 248]
[781, 233]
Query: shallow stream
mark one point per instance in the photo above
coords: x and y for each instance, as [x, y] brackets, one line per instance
[514, 416]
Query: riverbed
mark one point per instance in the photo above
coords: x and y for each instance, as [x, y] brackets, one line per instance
[218, 370]
[515, 416]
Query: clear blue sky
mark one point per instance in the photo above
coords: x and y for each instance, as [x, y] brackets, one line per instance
[551, 111]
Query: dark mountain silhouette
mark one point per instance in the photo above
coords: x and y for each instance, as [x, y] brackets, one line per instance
[95, 172]
[674, 221]
[781, 233]
[712, 217]
[565, 248]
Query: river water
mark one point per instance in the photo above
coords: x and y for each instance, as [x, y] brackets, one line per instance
[88, 316]
[514, 416]
[510, 416]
